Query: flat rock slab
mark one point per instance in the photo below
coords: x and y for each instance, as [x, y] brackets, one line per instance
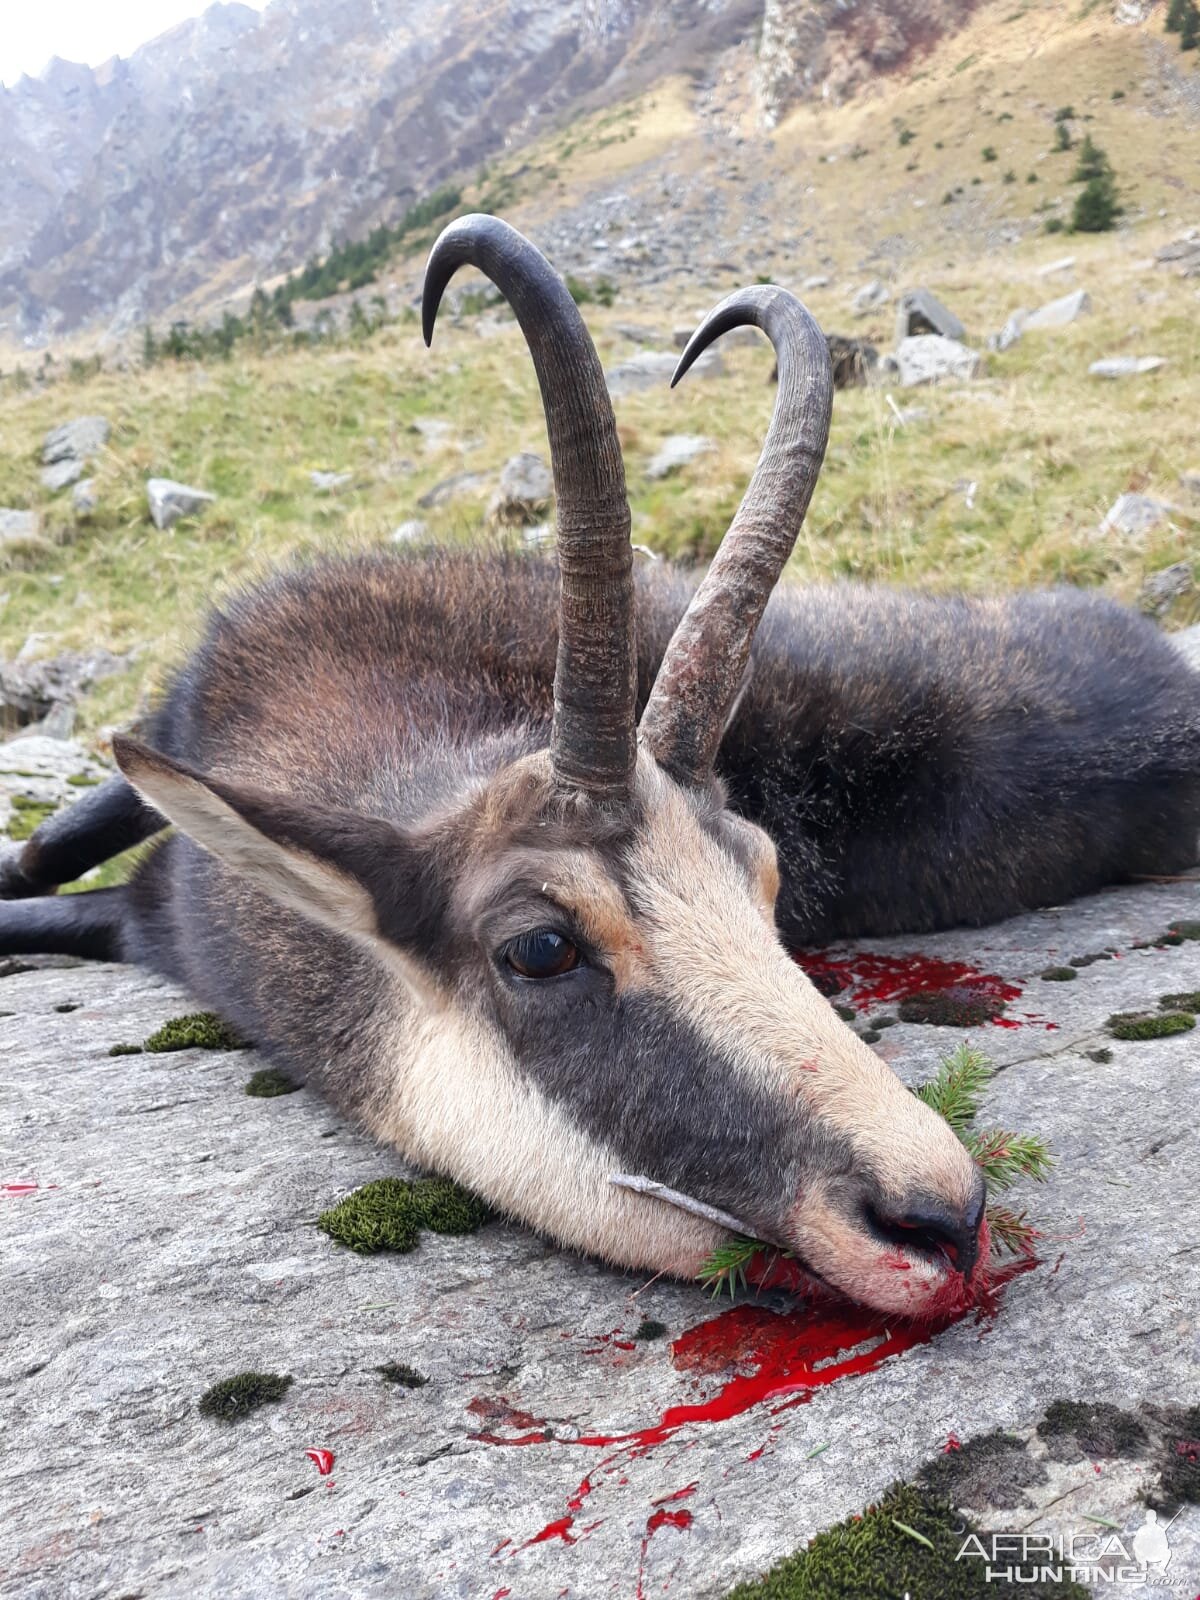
[170, 1242]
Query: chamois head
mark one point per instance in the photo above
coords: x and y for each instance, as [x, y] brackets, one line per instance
[580, 976]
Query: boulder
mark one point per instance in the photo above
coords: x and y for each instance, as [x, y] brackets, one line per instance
[919, 311]
[30, 690]
[1125, 366]
[84, 499]
[654, 369]
[1063, 264]
[435, 432]
[869, 298]
[1010, 332]
[61, 473]
[455, 487]
[410, 532]
[329, 482]
[816, 280]
[1059, 313]
[168, 500]
[1161, 589]
[1134, 514]
[1189, 482]
[75, 440]
[16, 526]
[930, 358]
[677, 451]
[524, 492]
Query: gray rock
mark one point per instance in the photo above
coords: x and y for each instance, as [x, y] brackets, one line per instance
[410, 532]
[1189, 482]
[815, 280]
[76, 440]
[870, 298]
[1059, 313]
[435, 432]
[168, 501]
[1125, 366]
[63, 472]
[654, 369]
[677, 451]
[170, 1243]
[30, 689]
[918, 311]
[1010, 332]
[930, 358]
[329, 482]
[456, 487]
[16, 526]
[1161, 589]
[637, 333]
[524, 492]
[1063, 264]
[1134, 514]
[84, 499]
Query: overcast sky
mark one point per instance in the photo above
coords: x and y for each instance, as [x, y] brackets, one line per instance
[31, 31]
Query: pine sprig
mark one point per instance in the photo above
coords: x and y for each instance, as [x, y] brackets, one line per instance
[1004, 1157]
[726, 1267]
[956, 1091]
[1012, 1231]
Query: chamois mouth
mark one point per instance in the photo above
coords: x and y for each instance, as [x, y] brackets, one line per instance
[928, 1242]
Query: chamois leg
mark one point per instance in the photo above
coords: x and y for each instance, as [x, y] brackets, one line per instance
[87, 925]
[97, 827]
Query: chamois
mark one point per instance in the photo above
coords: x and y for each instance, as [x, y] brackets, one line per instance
[521, 897]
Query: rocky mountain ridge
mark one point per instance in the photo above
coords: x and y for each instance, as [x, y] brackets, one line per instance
[238, 144]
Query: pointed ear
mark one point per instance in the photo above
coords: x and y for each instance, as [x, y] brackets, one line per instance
[358, 875]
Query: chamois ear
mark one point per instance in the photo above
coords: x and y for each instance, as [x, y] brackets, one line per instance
[358, 875]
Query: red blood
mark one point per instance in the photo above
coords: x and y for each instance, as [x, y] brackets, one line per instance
[1189, 1449]
[501, 1546]
[952, 1443]
[865, 980]
[322, 1459]
[500, 1594]
[553, 1530]
[575, 1501]
[495, 1408]
[673, 1519]
[680, 1494]
[18, 1190]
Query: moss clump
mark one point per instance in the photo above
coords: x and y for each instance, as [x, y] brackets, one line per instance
[1059, 975]
[389, 1213]
[1188, 1001]
[1145, 1025]
[80, 780]
[905, 1544]
[1183, 930]
[871, 1036]
[68, 1006]
[269, 1082]
[399, 1372]
[847, 1013]
[993, 1469]
[234, 1398]
[1102, 1056]
[1074, 1429]
[1091, 959]
[958, 1006]
[199, 1030]
[648, 1329]
[443, 1206]
[1179, 1460]
[28, 815]
[124, 1049]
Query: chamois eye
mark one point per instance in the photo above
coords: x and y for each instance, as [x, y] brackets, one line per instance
[540, 954]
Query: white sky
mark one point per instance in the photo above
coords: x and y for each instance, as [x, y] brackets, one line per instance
[31, 31]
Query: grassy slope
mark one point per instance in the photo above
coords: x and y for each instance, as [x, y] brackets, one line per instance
[1047, 448]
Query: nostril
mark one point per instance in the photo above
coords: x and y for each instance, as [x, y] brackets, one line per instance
[933, 1230]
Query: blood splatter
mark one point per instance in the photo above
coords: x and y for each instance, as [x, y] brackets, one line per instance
[18, 1191]
[661, 1518]
[865, 980]
[953, 1443]
[322, 1459]
[496, 1409]
[685, 1493]
[560, 1529]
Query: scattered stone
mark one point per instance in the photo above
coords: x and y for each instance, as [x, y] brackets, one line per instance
[869, 298]
[931, 358]
[677, 451]
[1182, 254]
[75, 440]
[919, 311]
[854, 360]
[456, 487]
[436, 433]
[168, 501]
[729, 340]
[62, 473]
[328, 482]
[1134, 514]
[636, 333]
[1063, 264]
[1125, 366]
[84, 498]
[1189, 482]
[409, 532]
[524, 492]
[1161, 589]
[16, 526]
[31, 690]
[653, 369]
[1059, 313]
[815, 280]
[1010, 332]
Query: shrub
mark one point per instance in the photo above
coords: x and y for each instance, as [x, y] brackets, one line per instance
[989, 152]
[1096, 206]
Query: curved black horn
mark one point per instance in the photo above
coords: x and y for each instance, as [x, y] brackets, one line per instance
[593, 746]
[703, 668]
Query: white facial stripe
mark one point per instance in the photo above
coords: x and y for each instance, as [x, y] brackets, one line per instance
[450, 1096]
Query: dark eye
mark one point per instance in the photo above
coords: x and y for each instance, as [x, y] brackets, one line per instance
[540, 954]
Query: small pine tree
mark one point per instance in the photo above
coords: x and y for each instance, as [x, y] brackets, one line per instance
[1062, 136]
[1093, 162]
[1097, 205]
[1175, 14]
[1189, 32]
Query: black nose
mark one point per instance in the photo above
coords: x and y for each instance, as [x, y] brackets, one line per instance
[934, 1229]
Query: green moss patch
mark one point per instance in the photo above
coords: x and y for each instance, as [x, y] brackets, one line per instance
[80, 780]
[1074, 1429]
[1188, 1001]
[993, 1469]
[1090, 959]
[199, 1030]
[905, 1544]
[1101, 1057]
[28, 815]
[124, 1049]
[648, 1330]
[1146, 1025]
[270, 1082]
[958, 1006]
[399, 1372]
[236, 1397]
[1184, 930]
[389, 1213]
[1059, 975]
